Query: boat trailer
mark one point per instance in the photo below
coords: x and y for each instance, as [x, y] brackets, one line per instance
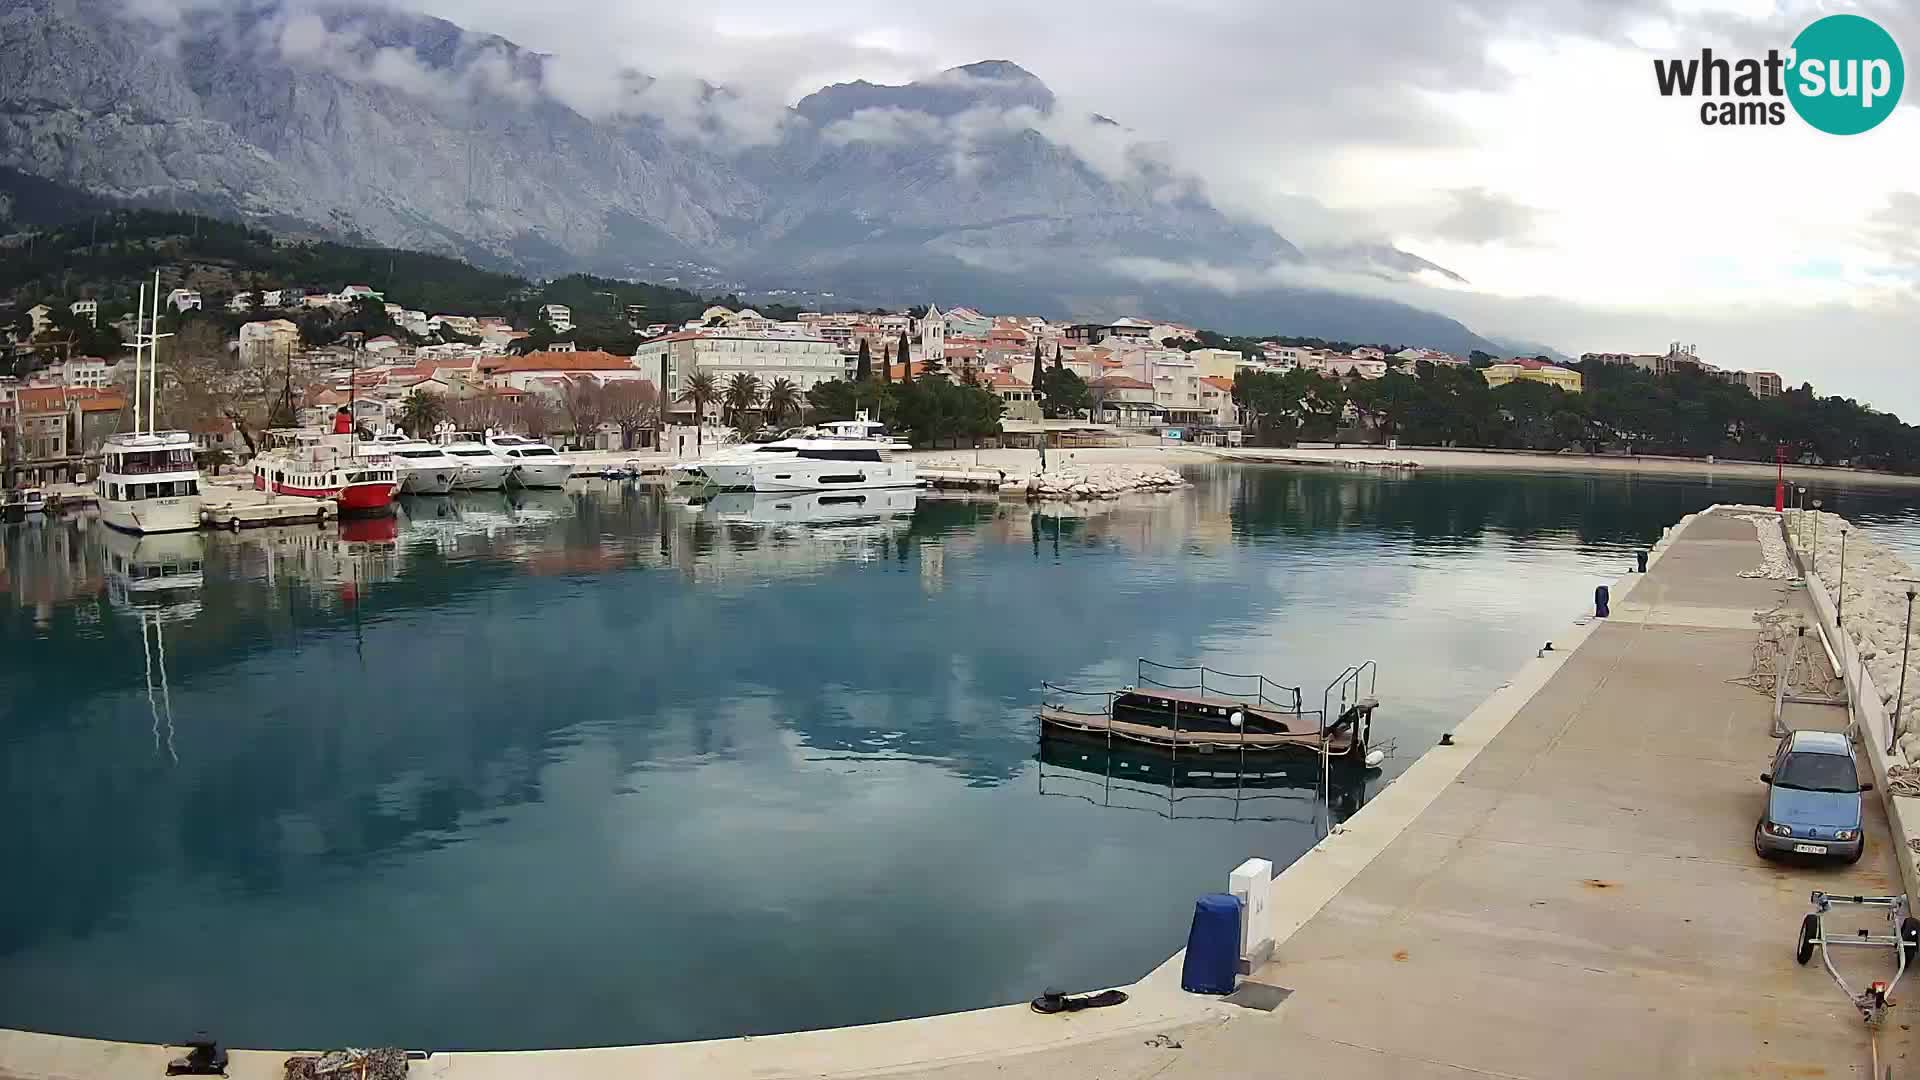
[1877, 997]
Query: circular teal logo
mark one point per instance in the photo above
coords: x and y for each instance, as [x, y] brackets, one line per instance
[1846, 74]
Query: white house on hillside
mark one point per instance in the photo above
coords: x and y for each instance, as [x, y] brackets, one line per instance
[184, 300]
[86, 309]
[558, 316]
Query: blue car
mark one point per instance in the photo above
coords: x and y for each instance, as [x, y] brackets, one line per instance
[1813, 800]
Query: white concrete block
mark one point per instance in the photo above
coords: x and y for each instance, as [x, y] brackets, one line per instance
[1252, 882]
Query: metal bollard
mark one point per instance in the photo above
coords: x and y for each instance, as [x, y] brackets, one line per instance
[1600, 602]
[1641, 558]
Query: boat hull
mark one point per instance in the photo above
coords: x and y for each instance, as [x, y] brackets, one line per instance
[178, 514]
[433, 480]
[545, 474]
[790, 475]
[482, 478]
[365, 498]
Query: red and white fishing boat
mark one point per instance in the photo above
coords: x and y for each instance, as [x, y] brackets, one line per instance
[316, 465]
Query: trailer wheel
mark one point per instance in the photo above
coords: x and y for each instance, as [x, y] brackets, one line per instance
[1809, 933]
[1910, 938]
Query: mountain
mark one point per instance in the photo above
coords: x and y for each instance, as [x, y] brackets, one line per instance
[372, 125]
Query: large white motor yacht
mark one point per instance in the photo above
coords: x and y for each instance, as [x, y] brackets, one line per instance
[849, 454]
[535, 464]
[480, 468]
[425, 469]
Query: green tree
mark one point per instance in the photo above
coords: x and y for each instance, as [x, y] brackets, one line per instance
[740, 399]
[782, 400]
[699, 389]
[420, 412]
[1062, 393]
[834, 399]
[863, 369]
[906, 359]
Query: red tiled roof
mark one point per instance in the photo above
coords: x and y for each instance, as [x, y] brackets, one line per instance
[1218, 382]
[48, 399]
[101, 404]
[551, 361]
[1121, 382]
[1000, 380]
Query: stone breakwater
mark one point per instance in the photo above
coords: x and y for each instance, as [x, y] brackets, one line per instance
[1093, 482]
[1873, 607]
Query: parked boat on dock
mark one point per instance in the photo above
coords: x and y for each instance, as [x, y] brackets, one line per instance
[423, 468]
[312, 465]
[535, 464]
[1200, 709]
[845, 455]
[148, 482]
[480, 468]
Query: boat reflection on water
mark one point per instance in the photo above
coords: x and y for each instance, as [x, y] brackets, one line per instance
[1218, 786]
[350, 556]
[539, 505]
[157, 574]
[156, 577]
[805, 508]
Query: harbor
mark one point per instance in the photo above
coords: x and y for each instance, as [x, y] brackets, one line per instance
[1581, 844]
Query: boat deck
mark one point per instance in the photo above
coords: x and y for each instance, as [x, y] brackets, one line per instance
[1338, 742]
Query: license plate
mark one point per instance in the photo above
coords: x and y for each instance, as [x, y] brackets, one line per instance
[1810, 849]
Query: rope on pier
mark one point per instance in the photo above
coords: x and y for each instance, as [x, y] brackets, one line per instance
[1904, 780]
[1812, 676]
[349, 1064]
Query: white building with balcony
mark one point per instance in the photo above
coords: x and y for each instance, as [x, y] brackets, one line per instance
[803, 360]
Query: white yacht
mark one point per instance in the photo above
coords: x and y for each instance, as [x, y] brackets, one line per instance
[847, 455]
[148, 481]
[480, 468]
[535, 464]
[425, 469]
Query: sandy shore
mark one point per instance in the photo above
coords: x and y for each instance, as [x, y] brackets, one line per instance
[1492, 461]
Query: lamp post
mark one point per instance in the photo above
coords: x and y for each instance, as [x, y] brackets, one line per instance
[1840, 594]
[1900, 699]
[1816, 538]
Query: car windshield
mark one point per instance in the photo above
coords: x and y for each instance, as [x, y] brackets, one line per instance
[1817, 772]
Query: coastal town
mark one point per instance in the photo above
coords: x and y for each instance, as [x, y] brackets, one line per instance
[1043, 382]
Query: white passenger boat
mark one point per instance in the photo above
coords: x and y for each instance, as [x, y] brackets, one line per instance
[480, 468]
[847, 455]
[424, 469]
[535, 464]
[148, 481]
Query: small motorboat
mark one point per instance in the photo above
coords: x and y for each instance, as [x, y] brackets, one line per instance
[33, 501]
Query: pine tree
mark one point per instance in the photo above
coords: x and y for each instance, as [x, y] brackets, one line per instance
[886, 367]
[864, 370]
[1036, 367]
[906, 359]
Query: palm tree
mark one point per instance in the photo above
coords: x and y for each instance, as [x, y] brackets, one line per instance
[421, 412]
[782, 398]
[741, 397]
[699, 389]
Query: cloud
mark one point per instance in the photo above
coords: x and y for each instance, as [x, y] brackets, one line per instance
[1479, 216]
[1895, 227]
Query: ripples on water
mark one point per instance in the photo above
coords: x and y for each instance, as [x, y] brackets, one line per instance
[588, 768]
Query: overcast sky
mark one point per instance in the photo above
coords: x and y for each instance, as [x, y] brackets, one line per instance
[1520, 143]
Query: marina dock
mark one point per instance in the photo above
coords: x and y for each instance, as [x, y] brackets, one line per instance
[226, 506]
[1567, 888]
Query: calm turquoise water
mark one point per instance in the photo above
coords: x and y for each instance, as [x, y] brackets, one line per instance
[593, 768]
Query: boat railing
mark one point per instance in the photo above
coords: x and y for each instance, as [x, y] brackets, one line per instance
[1084, 698]
[1252, 689]
[1356, 682]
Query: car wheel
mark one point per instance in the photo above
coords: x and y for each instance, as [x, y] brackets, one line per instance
[1910, 936]
[1809, 933]
[1757, 849]
[1857, 852]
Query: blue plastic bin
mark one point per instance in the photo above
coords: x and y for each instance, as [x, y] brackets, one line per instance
[1213, 946]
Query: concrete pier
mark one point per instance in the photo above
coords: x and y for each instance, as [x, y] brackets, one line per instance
[1568, 890]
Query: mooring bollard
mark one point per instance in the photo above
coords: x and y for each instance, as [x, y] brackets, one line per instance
[1600, 602]
[1640, 557]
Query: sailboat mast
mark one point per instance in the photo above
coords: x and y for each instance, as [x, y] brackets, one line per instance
[139, 336]
[153, 360]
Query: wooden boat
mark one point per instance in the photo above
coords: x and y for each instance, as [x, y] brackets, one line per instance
[1175, 708]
